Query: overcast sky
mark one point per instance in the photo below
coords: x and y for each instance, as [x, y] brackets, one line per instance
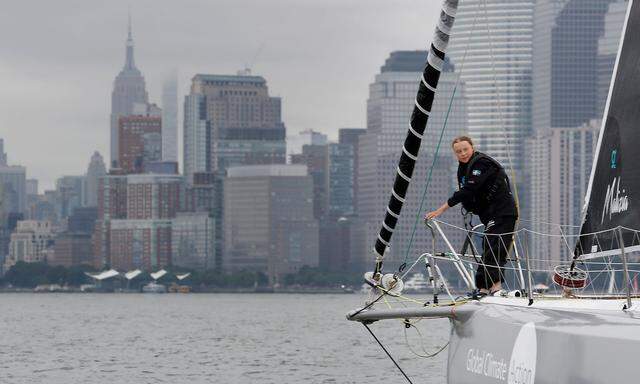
[58, 60]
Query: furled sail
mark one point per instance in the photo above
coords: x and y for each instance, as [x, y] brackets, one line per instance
[612, 205]
[419, 117]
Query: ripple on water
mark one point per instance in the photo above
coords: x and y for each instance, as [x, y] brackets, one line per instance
[113, 338]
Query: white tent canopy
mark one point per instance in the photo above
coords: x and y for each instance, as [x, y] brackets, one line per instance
[104, 275]
[157, 275]
[132, 274]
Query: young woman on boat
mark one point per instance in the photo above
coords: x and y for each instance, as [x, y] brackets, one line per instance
[484, 190]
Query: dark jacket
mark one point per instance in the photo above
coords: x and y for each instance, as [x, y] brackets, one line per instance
[484, 190]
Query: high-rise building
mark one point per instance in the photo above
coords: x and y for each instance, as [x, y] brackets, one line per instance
[565, 62]
[143, 244]
[140, 142]
[389, 107]
[340, 180]
[74, 245]
[170, 117]
[231, 120]
[559, 166]
[14, 188]
[335, 245]
[192, 240]
[204, 194]
[32, 197]
[133, 229]
[69, 195]
[608, 50]
[491, 46]
[308, 137]
[31, 186]
[575, 46]
[351, 137]
[95, 171]
[316, 159]
[83, 220]
[128, 89]
[269, 224]
[152, 196]
[72, 248]
[29, 243]
[112, 205]
[3, 154]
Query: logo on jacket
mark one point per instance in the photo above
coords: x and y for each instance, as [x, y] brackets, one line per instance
[615, 201]
[475, 172]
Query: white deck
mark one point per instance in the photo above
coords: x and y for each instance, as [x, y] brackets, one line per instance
[569, 304]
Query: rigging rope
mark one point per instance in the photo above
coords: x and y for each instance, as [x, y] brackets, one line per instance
[388, 354]
[426, 354]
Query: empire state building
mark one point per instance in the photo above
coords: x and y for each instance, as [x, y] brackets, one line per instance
[128, 89]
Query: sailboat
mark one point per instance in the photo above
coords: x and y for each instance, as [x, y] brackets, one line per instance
[577, 334]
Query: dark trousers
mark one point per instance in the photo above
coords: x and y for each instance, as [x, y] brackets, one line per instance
[495, 249]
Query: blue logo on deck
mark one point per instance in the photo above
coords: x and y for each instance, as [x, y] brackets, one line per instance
[614, 159]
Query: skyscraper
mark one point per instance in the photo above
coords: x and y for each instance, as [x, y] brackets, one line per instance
[561, 161]
[608, 50]
[3, 155]
[128, 88]
[340, 180]
[565, 64]
[316, 159]
[391, 100]
[95, 171]
[170, 117]
[575, 45]
[14, 188]
[308, 137]
[231, 120]
[69, 195]
[491, 46]
[351, 137]
[270, 225]
[140, 142]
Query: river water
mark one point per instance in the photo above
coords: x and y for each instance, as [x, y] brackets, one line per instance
[205, 338]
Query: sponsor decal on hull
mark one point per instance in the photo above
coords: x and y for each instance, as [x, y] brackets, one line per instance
[521, 368]
[486, 364]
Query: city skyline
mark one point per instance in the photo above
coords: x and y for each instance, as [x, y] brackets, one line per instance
[55, 64]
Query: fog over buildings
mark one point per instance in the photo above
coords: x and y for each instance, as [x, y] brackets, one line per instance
[62, 63]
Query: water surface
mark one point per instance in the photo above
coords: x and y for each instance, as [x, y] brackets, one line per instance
[204, 338]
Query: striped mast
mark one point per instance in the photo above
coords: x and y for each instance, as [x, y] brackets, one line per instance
[418, 124]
